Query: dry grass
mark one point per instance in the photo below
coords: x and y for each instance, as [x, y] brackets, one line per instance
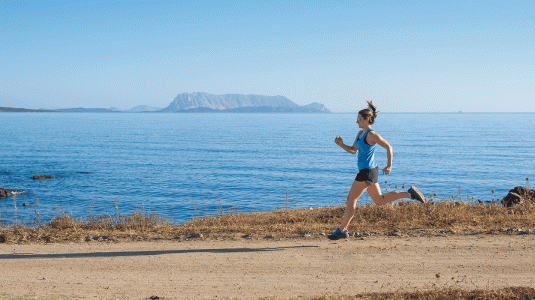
[517, 293]
[406, 218]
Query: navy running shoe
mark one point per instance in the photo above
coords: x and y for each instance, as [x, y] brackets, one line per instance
[338, 234]
[416, 194]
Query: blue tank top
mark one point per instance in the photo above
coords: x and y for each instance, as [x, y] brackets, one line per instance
[366, 153]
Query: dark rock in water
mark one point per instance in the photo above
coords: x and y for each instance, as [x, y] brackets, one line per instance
[518, 195]
[4, 193]
[41, 177]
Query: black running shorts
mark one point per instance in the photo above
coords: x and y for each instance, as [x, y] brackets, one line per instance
[370, 176]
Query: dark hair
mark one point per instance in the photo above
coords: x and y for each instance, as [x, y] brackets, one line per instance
[370, 112]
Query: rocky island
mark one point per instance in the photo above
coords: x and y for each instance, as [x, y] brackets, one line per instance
[203, 102]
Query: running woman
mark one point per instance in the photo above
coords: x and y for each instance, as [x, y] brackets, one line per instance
[366, 179]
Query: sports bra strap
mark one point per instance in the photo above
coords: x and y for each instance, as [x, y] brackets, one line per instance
[364, 136]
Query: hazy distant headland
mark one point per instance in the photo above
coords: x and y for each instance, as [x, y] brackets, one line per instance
[14, 109]
[203, 102]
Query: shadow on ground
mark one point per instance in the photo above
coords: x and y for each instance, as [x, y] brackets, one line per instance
[141, 253]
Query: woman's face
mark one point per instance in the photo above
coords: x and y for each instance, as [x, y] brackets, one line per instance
[362, 121]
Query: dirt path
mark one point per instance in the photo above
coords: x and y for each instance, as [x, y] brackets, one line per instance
[252, 269]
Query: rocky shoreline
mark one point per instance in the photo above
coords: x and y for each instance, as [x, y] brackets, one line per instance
[517, 195]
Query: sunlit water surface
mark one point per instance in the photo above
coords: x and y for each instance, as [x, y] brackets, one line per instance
[251, 162]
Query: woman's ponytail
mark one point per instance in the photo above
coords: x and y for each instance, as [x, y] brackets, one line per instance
[371, 112]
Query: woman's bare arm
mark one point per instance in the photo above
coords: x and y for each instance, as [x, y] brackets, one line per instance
[374, 138]
[338, 140]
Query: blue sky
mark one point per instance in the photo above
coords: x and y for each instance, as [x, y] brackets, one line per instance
[422, 56]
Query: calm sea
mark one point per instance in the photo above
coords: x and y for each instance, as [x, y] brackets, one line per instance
[250, 162]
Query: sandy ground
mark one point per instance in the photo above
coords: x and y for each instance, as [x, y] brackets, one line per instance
[259, 268]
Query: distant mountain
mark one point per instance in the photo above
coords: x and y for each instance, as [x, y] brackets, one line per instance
[203, 102]
[144, 108]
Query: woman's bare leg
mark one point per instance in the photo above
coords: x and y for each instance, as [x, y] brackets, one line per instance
[357, 189]
[380, 199]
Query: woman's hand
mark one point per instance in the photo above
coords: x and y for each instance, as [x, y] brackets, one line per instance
[387, 170]
[338, 140]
